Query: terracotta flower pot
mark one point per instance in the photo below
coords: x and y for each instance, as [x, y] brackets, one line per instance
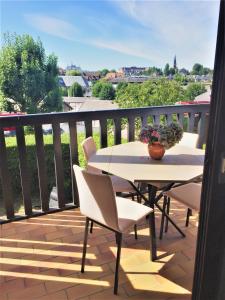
[156, 150]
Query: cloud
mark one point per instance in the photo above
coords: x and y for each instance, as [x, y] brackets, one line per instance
[184, 27]
[128, 47]
[52, 26]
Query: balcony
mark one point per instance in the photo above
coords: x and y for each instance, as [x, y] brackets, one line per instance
[41, 247]
[40, 259]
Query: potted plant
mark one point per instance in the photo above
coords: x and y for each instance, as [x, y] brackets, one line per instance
[160, 137]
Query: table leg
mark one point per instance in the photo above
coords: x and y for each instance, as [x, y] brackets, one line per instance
[153, 201]
[170, 220]
[152, 190]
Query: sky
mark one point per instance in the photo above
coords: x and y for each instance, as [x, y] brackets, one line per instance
[112, 33]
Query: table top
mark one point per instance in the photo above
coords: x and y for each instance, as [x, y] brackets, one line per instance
[131, 161]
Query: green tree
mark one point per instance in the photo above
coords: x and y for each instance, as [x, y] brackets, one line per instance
[153, 71]
[150, 93]
[181, 78]
[96, 88]
[197, 69]
[104, 72]
[73, 73]
[193, 90]
[166, 71]
[107, 91]
[103, 90]
[27, 77]
[75, 90]
[172, 71]
[207, 71]
[64, 91]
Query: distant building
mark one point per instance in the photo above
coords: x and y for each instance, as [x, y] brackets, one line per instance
[87, 104]
[91, 75]
[130, 79]
[74, 103]
[73, 67]
[203, 78]
[68, 81]
[183, 71]
[113, 75]
[129, 71]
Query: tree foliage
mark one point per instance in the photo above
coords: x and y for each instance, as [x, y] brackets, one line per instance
[103, 90]
[166, 70]
[153, 71]
[73, 73]
[197, 69]
[75, 90]
[64, 91]
[103, 72]
[193, 90]
[27, 77]
[150, 93]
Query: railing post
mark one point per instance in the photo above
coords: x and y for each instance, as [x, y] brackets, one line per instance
[131, 129]
[41, 165]
[202, 129]
[74, 160]
[59, 172]
[5, 178]
[24, 171]
[103, 133]
[117, 131]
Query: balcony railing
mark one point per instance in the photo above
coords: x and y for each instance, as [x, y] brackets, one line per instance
[193, 117]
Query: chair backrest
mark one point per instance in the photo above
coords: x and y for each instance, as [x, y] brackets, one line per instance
[89, 149]
[97, 199]
[189, 139]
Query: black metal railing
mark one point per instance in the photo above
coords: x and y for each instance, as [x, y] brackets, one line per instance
[193, 116]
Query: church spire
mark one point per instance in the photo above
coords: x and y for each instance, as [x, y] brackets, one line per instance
[175, 63]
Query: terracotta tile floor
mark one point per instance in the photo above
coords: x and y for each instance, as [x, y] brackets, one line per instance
[40, 259]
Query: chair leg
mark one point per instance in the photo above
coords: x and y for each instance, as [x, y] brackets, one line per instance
[189, 213]
[119, 242]
[163, 217]
[168, 212]
[85, 245]
[152, 236]
[135, 232]
[91, 227]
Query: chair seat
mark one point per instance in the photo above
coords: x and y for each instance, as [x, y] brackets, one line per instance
[130, 212]
[188, 194]
[121, 185]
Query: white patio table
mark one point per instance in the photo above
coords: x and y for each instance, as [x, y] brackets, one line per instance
[131, 161]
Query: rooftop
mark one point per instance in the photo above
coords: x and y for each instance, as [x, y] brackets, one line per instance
[67, 81]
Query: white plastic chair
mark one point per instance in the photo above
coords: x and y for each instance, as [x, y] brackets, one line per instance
[100, 205]
[189, 140]
[120, 185]
[187, 194]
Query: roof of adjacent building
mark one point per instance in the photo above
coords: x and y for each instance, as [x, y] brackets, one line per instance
[78, 99]
[204, 97]
[67, 81]
[93, 105]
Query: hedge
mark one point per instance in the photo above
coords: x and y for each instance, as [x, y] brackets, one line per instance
[13, 163]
